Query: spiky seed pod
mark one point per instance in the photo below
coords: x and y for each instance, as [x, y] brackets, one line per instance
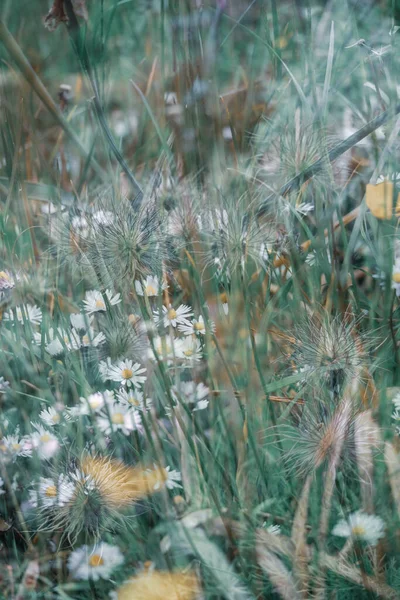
[130, 247]
[158, 585]
[123, 339]
[329, 351]
[104, 489]
[234, 238]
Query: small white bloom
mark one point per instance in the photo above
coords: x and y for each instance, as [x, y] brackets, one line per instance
[165, 348]
[80, 321]
[192, 394]
[127, 373]
[94, 562]
[12, 446]
[189, 349]
[274, 529]
[89, 338]
[150, 286]
[95, 402]
[24, 312]
[50, 493]
[197, 326]
[172, 316]
[94, 301]
[103, 217]
[133, 398]
[368, 528]
[173, 477]
[50, 416]
[119, 418]
[104, 369]
[44, 442]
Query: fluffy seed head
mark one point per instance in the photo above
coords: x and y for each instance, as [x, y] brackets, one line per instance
[158, 585]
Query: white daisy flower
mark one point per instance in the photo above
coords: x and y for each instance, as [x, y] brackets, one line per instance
[192, 394]
[150, 286]
[50, 493]
[103, 217]
[95, 402]
[7, 280]
[50, 416]
[12, 446]
[94, 562]
[80, 226]
[172, 316]
[197, 326]
[173, 477]
[127, 373]
[24, 312]
[94, 301]
[368, 528]
[4, 385]
[133, 398]
[44, 442]
[119, 418]
[396, 277]
[80, 321]
[89, 338]
[104, 369]
[165, 348]
[274, 529]
[189, 349]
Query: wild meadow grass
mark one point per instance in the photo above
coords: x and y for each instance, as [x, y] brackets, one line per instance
[199, 286]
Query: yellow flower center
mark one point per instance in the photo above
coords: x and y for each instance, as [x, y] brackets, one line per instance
[150, 290]
[100, 304]
[134, 401]
[396, 277]
[3, 275]
[117, 419]
[358, 530]
[126, 373]
[95, 560]
[51, 491]
[55, 418]
[86, 339]
[16, 447]
[95, 403]
[198, 326]
[171, 314]
[45, 438]
[188, 352]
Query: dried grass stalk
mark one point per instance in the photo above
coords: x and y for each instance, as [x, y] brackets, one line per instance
[278, 574]
[300, 559]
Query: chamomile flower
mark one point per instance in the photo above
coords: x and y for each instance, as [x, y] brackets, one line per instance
[50, 416]
[396, 277]
[94, 301]
[89, 338]
[173, 477]
[95, 402]
[127, 373]
[22, 313]
[59, 340]
[197, 326]
[189, 349]
[173, 316]
[119, 418]
[95, 562]
[44, 442]
[13, 446]
[150, 286]
[133, 398]
[50, 493]
[192, 394]
[364, 527]
[164, 348]
[80, 321]
[151, 584]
